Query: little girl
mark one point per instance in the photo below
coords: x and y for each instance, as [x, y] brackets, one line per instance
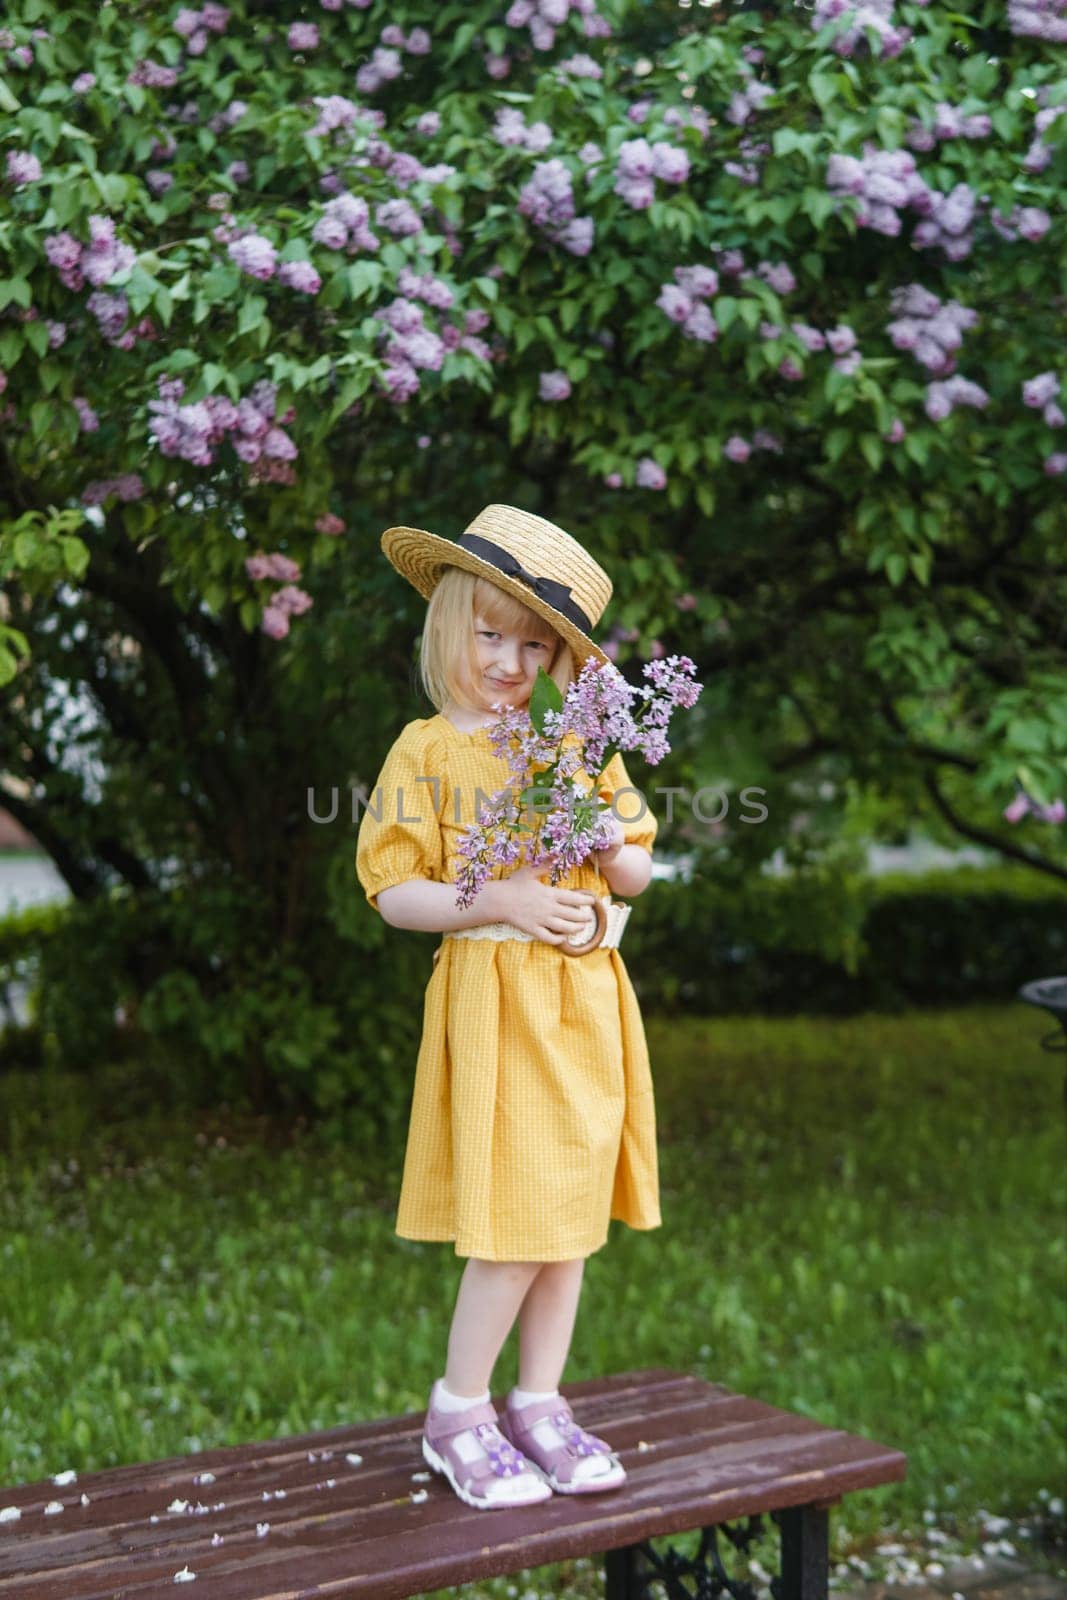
[532, 1119]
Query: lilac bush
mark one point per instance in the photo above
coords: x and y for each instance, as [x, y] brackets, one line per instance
[768, 302]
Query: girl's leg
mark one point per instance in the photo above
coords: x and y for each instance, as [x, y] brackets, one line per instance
[490, 1294]
[546, 1324]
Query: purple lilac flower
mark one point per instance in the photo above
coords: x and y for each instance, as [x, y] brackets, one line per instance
[254, 255]
[929, 329]
[778, 275]
[580, 66]
[941, 398]
[1038, 391]
[22, 167]
[743, 102]
[300, 275]
[510, 129]
[88, 420]
[128, 486]
[548, 200]
[873, 14]
[948, 223]
[569, 757]
[554, 385]
[1039, 19]
[398, 217]
[193, 432]
[841, 339]
[883, 182]
[650, 475]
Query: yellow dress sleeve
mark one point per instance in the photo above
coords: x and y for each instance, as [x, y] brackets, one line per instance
[400, 832]
[633, 810]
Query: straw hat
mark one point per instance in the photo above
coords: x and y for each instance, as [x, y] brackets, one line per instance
[524, 555]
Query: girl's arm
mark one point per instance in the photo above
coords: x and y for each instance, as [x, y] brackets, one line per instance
[427, 907]
[627, 868]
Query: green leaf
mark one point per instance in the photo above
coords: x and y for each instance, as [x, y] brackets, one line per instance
[75, 554]
[26, 546]
[546, 696]
[837, 442]
[14, 289]
[363, 278]
[725, 309]
[252, 310]
[462, 38]
[40, 418]
[824, 88]
[871, 446]
[36, 336]
[1005, 123]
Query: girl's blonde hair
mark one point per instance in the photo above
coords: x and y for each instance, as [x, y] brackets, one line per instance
[448, 636]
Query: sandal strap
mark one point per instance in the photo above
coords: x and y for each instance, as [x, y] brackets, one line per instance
[563, 1458]
[446, 1424]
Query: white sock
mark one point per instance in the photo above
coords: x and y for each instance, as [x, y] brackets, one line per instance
[526, 1397]
[445, 1400]
[549, 1436]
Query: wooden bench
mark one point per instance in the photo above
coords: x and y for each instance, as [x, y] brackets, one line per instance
[355, 1511]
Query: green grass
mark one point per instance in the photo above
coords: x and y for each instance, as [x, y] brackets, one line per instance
[863, 1220]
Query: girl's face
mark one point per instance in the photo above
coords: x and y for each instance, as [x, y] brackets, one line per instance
[508, 662]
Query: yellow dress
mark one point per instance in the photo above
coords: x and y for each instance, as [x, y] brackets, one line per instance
[532, 1118]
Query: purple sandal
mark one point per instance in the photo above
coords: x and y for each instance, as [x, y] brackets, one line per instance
[471, 1479]
[556, 1464]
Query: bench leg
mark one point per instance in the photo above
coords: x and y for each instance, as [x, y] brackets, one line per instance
[629, 1573]
[805, 1545]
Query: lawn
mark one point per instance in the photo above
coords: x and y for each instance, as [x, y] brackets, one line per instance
[863, 1220]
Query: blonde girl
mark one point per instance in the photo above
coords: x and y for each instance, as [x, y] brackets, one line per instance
[532, 1120]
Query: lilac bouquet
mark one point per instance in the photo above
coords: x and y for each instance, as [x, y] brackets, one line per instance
[548, 746]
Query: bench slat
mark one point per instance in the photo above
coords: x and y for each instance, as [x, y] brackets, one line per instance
[712, 1455]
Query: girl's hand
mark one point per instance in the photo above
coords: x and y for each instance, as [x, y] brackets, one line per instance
[547, 913]
[618, 839]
